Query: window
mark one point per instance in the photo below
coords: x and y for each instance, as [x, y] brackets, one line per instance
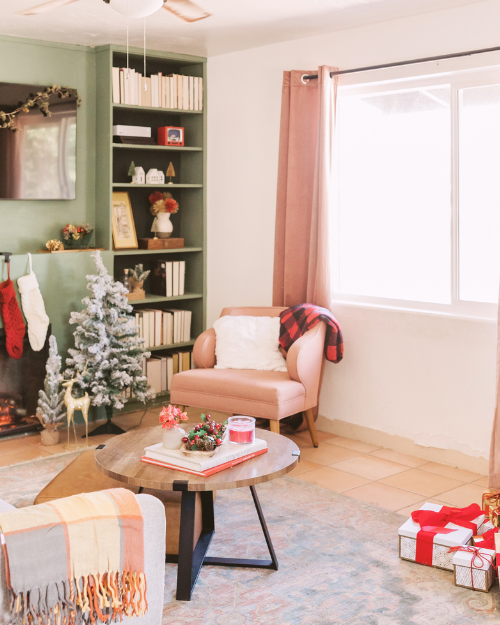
[417, 223]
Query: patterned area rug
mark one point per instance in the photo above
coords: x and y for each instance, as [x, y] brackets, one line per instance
[338, 562]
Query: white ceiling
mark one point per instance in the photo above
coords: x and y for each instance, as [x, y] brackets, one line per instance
[234, 25]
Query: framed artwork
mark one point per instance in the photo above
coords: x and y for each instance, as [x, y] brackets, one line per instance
[124, 235]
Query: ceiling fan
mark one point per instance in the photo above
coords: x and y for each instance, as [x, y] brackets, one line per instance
[184, 9]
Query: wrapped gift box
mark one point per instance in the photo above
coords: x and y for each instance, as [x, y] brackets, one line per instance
[474, 569]
[490, 498]
[441, 543]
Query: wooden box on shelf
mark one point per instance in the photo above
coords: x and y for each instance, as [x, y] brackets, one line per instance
[160, 244]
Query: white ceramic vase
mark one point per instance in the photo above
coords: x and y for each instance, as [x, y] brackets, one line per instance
[162, 226]
[172, 439]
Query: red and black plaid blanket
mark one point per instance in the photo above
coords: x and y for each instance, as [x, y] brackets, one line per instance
[297, 320]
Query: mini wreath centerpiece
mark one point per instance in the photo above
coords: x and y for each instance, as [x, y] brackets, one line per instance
[205, 438]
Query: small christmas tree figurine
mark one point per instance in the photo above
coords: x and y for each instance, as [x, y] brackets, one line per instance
[131, 169]
[170, 173]
[108, 355]
[51, 410]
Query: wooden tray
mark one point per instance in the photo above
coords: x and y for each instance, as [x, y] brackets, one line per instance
[160, 244]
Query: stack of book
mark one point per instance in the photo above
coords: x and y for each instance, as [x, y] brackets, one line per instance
[171, 91]
[160, 369]
[168, 278]
[227, 456]
[163, 326]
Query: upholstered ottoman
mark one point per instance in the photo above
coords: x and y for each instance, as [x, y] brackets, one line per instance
[82, 476]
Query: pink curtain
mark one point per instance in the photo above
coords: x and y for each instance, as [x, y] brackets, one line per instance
[305, 168]
[494, 477]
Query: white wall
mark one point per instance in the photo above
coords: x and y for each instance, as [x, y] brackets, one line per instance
[426, 377]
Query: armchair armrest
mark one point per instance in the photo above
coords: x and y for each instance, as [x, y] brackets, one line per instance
[204, 350]
[304, 360]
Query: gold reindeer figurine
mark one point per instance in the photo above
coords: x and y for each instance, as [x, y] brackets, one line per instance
[72, 404]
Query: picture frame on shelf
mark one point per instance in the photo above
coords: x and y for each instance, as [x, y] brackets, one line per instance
[123, 226]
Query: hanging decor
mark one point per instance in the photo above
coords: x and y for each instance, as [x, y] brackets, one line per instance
[40, 100]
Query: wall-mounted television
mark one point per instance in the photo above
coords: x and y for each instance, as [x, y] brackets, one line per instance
[38, 161]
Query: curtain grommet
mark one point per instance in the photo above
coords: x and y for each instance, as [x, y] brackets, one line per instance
[304, 82]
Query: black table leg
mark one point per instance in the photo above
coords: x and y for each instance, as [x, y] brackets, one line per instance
[190, 561]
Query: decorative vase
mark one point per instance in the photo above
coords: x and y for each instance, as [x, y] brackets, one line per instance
[172, 438]
[137, 292]
[162, 226]
[49, 437]
[78, 244]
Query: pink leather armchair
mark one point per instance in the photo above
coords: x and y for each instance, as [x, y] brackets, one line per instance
[272, 395]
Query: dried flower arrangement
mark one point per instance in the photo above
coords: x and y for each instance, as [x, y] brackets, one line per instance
[75, 232]
[162, 203]
[205, 436]
[40, 100]
[54, 245]
[170, 417]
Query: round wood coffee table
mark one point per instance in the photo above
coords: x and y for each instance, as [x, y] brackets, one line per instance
[120, 458]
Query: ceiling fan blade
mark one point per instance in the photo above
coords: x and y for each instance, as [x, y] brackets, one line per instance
[46, 6]
[186, 10]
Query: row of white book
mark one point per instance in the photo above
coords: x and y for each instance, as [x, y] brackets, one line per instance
[163, 327]
[168, 278]
[160, 369]
[172, 91]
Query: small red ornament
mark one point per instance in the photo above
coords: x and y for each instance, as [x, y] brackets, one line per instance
[197, 438]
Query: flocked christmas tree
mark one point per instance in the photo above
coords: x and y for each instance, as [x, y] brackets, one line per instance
[108, 355]
[51, 409]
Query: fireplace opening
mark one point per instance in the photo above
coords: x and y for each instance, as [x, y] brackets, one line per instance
[20, 381]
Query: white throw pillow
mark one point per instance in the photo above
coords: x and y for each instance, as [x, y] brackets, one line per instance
[248, 343]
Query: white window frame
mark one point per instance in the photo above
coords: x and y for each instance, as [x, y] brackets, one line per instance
[457, 308]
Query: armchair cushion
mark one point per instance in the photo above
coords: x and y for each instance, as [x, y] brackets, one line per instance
[266, 394]
[248, 342]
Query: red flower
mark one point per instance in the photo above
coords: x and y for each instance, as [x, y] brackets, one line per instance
[171, 205]
[156, 197]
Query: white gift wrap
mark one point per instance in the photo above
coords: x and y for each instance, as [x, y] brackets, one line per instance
[478, 575]
[442, 542]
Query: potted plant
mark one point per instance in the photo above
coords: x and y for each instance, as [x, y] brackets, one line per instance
[136, 278]
[77, 237]
[170, 417]
[162, 206]
[51, 410]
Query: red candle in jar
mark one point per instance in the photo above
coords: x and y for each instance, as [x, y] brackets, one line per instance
[241, 430]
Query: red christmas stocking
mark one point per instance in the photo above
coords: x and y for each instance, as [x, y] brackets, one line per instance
[12, 319]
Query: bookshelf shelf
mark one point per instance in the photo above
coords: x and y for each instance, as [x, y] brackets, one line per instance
[176, 250]
[150, 299]
[164, 148]
[189, 162]
[154, 109]
[171, 346]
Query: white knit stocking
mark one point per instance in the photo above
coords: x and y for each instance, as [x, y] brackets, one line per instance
[33, 309]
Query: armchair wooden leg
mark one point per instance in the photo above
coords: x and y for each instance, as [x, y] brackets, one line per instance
[274, 425]
[308, 414]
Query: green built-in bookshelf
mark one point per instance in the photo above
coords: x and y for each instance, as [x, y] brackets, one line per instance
[189, 188]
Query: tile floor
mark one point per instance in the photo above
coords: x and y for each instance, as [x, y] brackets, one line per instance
[383, 477]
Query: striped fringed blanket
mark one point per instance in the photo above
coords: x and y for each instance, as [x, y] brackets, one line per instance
[76, 560]
[296, 321]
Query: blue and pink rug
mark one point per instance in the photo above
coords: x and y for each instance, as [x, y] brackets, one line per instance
[338, 560]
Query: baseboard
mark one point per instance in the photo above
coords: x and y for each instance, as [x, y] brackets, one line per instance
[451, 457]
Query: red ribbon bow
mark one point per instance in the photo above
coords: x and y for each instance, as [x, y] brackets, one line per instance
[432, 523]
[482, 558]
[487, 540]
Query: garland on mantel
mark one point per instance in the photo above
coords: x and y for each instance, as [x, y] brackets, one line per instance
[41, 100]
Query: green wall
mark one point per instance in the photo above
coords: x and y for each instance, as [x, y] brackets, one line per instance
[25, 226]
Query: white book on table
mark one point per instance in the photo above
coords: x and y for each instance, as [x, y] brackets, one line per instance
[185, 93]
[191, 93]
[182, 276]
[225, 453]
[196, 99]
[187, 325]
[175, 278]
[116, 85]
